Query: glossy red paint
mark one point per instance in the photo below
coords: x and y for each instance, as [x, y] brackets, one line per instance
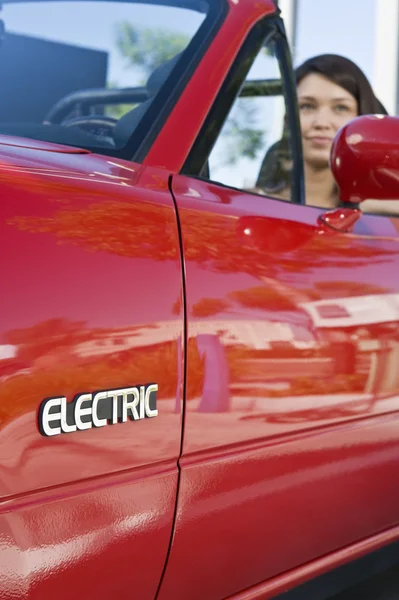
[291, 421]
[290, 580]
[365, 158]
[8, 140]
[79, 236]
[290, 455]
[341, 219]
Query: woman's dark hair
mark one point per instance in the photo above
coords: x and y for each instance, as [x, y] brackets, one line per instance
[345, 73]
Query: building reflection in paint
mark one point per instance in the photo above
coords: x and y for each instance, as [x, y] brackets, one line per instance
[330, 359]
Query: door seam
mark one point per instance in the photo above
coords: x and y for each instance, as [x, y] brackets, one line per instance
[184, 383]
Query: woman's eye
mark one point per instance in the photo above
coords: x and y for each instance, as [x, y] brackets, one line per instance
[342, 108]
[306, 106]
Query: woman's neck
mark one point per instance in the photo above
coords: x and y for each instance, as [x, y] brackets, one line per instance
[320, 187]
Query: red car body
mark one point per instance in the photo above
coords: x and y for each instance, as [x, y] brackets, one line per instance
[275, 453]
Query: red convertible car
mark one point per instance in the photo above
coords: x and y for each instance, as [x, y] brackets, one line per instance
[144, 278]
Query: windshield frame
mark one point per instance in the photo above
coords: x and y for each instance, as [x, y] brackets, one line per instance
[144, 135]
[196, 5]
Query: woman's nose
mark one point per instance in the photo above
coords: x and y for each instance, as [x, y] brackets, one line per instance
[322, 119]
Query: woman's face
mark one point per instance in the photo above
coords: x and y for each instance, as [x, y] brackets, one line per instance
[324, 107]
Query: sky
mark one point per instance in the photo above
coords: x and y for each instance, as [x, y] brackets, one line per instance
[57, 21]
[363, 30]
[341, 27]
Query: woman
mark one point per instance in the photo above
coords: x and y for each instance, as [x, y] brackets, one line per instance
[331, 90]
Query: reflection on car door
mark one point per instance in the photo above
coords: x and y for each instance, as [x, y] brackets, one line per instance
[90, 265]
[293, 342]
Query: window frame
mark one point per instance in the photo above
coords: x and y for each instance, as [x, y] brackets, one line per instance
[270, 28]
[143, 137]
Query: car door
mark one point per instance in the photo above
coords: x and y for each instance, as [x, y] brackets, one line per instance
[291, 420]
[91, 304]
[90, 307]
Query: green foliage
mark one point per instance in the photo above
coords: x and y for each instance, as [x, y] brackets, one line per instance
[240, 136]
[144, 49]
[117, 110]
[147, 49]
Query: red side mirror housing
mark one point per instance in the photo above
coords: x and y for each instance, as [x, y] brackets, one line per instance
[365, 159]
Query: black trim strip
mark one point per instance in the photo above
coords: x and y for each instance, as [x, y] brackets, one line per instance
[370, 570]
[291, 99]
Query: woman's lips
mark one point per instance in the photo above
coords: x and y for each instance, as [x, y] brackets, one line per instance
[320, 141]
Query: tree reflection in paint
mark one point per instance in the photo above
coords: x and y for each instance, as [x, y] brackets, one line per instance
[210, 240]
